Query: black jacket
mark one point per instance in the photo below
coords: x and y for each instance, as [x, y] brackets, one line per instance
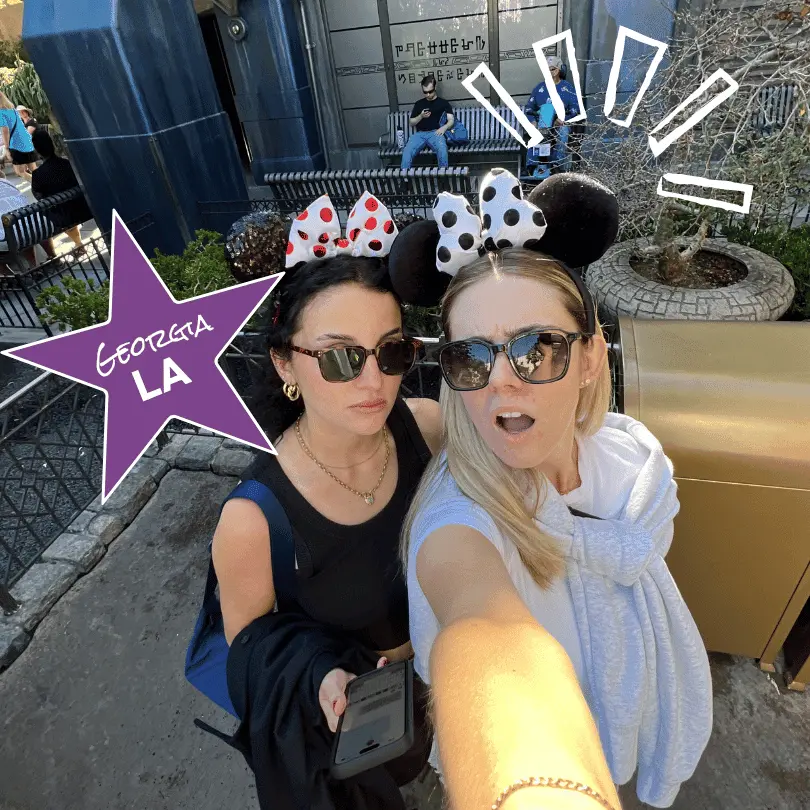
[275, 669]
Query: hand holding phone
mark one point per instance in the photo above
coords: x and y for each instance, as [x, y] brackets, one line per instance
[377, 724]
[332, 694]
[426, 113]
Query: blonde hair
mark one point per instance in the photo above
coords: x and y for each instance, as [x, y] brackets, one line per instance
[5, 103]
[497, 488]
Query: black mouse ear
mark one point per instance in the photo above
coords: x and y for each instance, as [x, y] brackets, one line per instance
[256, 245]
[582, 217]
[412, 265]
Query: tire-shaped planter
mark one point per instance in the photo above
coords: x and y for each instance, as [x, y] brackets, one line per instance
[765, 294]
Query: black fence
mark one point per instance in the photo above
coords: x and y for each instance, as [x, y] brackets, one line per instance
[51, 449]
[19, 291]
[221, 215]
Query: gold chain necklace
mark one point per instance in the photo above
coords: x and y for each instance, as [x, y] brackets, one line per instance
[578, 484]
[368, 497]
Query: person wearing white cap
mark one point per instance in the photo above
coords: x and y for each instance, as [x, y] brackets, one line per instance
[28, 119]
[568, 96]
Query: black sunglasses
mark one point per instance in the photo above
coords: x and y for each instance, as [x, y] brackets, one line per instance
[394, 357]
[429, 92]
[536, 357]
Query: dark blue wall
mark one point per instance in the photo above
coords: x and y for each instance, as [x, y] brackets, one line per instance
[131, 86]
[273, 95]
[652, 18]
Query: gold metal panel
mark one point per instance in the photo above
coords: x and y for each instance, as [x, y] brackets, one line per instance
[788, 619]
[730, 401]
[738, 555]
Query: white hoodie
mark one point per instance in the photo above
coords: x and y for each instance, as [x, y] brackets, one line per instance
[641, 662]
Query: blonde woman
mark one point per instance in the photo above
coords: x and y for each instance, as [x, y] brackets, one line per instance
[19, 147]
[545, 515]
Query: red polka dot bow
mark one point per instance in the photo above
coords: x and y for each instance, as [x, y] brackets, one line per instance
[507, 220]
[315, 234]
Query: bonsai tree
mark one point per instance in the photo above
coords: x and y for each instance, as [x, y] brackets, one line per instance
[747, 139]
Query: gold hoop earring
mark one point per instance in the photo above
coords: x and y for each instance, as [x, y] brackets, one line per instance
[291, 391]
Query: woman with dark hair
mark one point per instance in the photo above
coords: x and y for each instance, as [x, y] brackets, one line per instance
[351, 452]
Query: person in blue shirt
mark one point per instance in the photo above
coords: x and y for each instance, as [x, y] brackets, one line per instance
[568, 95]
[16, 140]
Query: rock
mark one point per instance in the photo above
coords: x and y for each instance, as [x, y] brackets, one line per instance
[152, 450]
[81, 522]
[106, 527]
[232, 444]
[13, 640]
[155, 468]
[198, 453]
[231, 461]
[39, 590]
[132, 494]
[170, 452]
[81, 550]
[96, 505]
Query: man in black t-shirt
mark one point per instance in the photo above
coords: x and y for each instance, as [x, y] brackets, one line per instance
[426, 118]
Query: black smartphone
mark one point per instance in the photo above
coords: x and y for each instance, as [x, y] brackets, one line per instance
[377, 725]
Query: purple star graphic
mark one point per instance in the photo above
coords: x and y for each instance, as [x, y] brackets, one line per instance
[156, 358]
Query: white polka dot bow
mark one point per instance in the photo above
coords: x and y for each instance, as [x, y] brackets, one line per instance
[507, 221]
[315, 234]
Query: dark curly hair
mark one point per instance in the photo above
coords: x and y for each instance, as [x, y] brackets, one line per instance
[274, 412]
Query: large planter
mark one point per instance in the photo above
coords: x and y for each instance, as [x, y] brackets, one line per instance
[765, 294]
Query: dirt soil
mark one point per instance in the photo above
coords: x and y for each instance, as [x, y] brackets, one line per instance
[707, 271]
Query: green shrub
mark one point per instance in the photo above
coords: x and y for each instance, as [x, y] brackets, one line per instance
[11, 52]
[422, 321]
[791, 247]
[201, 269]
[78, 305]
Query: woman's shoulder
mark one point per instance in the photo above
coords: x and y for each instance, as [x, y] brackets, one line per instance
[428, 417]
[445, 504]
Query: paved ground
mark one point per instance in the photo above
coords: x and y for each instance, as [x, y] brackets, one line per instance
[96, 714]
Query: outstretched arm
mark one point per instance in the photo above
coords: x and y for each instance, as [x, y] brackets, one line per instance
[507, 702]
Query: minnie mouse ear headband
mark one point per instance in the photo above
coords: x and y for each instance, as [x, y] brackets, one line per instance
[315, 233]
[570, 218]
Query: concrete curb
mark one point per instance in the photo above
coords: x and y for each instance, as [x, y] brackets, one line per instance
[79, 549]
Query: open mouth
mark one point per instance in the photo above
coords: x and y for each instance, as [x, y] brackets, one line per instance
[514, 422]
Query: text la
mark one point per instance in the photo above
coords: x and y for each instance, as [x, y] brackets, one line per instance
[172, 373]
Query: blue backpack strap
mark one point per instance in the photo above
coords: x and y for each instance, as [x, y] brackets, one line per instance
[282, 547]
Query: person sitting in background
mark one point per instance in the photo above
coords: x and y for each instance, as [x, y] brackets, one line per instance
[16, 140]
[56, 175]
[10, 200]
[28, 119]
[426, 117]
[568, 95]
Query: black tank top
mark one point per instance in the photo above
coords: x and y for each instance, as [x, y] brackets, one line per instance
[349, 577]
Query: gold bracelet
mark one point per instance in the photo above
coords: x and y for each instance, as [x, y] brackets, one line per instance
[546, 781]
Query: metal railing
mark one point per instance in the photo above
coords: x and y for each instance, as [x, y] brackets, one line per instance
[51, 446]
[294, 191]
[19, 291]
